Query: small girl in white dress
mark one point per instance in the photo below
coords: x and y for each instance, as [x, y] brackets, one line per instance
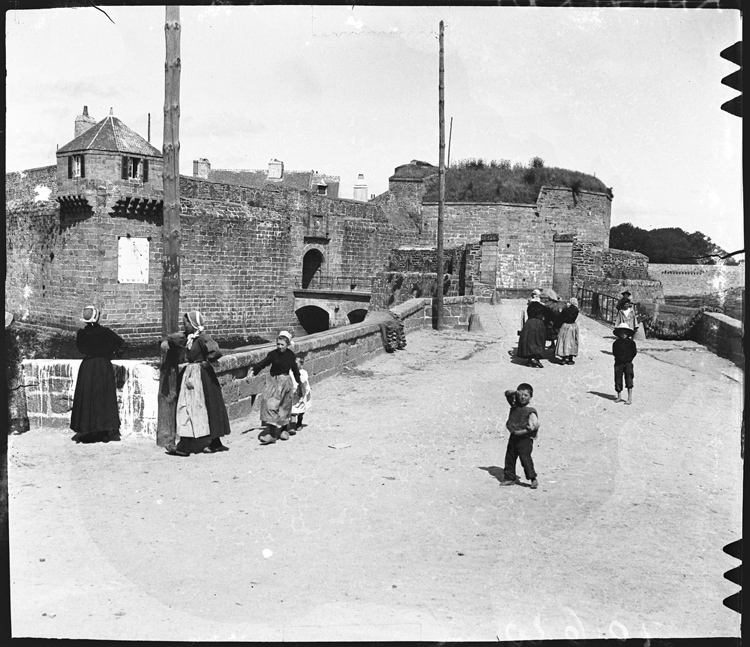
[301, 404]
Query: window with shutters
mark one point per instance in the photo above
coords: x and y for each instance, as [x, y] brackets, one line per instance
[76, 166]
[135, 168]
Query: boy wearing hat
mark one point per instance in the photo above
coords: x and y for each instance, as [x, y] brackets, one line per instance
[624, 350]
[625, 299]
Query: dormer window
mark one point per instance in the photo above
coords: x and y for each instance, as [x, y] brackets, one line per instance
[322, 189]
[76, 166]
[135, 168]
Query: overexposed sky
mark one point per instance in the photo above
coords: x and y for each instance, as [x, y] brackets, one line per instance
[631, 95]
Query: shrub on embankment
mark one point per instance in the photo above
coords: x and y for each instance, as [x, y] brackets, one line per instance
[478, 180]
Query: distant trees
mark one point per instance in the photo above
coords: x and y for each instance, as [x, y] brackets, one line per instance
[479, 180]
[667, 245]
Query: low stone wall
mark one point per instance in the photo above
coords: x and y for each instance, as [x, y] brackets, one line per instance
[393, 288]
[722, 335]
[50, 384]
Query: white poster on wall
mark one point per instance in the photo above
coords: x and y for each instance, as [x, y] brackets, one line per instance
[132, 260]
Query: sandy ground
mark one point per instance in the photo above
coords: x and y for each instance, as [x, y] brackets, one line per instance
[405, 533]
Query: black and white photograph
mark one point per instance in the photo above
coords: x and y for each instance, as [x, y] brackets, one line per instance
[334, 323]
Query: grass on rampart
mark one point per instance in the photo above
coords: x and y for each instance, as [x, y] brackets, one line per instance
[478, 180]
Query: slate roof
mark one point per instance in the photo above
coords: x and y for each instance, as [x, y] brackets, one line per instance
[300, 180]
[111, 135]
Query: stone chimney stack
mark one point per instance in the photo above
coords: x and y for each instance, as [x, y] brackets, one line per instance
[360, 189]
[275, 170]
[201, 168]
[84, 122]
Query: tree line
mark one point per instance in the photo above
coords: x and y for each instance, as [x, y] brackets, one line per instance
[668, 245]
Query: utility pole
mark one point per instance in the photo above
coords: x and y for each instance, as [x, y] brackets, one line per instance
[441, 202]
[170, 232]
[450, 137]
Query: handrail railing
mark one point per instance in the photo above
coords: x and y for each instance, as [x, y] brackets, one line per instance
[335, 283]
[600, 305]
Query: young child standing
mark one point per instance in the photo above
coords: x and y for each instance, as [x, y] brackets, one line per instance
[624, 350]
[303, 399]
[523, 425]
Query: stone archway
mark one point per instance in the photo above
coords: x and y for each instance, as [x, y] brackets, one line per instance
[355, 316]
[313, 319]
[312, 265]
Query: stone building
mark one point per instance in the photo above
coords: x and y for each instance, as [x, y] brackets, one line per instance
[259, 252]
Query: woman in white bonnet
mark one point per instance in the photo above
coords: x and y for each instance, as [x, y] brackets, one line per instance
[95, 415]
[567, 339]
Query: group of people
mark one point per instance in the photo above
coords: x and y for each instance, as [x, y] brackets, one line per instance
[548, 323]
[523, 419]
[201, 418]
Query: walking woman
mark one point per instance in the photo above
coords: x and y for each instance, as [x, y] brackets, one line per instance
[276, 407]
[567, 339]
[95, 415]
[201, 413]
[533, 338]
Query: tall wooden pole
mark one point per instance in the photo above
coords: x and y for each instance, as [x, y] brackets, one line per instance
[441, 202]
[450, 137]
[170, 233]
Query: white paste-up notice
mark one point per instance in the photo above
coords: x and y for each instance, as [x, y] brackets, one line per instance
[132, 260]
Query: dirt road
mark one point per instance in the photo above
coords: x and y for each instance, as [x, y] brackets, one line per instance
[404, 533]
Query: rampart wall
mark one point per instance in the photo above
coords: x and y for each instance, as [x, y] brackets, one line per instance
[241, 256]
[695, 280]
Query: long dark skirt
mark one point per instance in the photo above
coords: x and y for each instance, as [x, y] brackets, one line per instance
[95, 400]
[218, 419]
[277, 401]
[533, 339]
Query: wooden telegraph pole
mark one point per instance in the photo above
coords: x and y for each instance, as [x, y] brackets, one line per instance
[441, 202]
[170, 233]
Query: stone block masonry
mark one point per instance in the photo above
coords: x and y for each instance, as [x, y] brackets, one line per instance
[242, 252]
[722, 335]
[51, 383]
[696, 280]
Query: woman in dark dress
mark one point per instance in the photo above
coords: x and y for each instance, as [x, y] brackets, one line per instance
[276, 407]
[567, 339]
[95, 416]
[533, 339]
[201, 413]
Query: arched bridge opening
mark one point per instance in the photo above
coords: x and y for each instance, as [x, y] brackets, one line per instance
[313, 319]
[355, 316]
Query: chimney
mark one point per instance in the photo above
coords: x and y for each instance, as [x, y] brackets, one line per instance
[360, 189]
[275, 170]
[83, 122]
[201, 168]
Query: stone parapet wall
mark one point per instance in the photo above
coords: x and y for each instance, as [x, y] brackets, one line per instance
[52, 382]
[21, 186]
[393, 288]
[592, 262]
[722, 335]
[695, 280]
[50, 386]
